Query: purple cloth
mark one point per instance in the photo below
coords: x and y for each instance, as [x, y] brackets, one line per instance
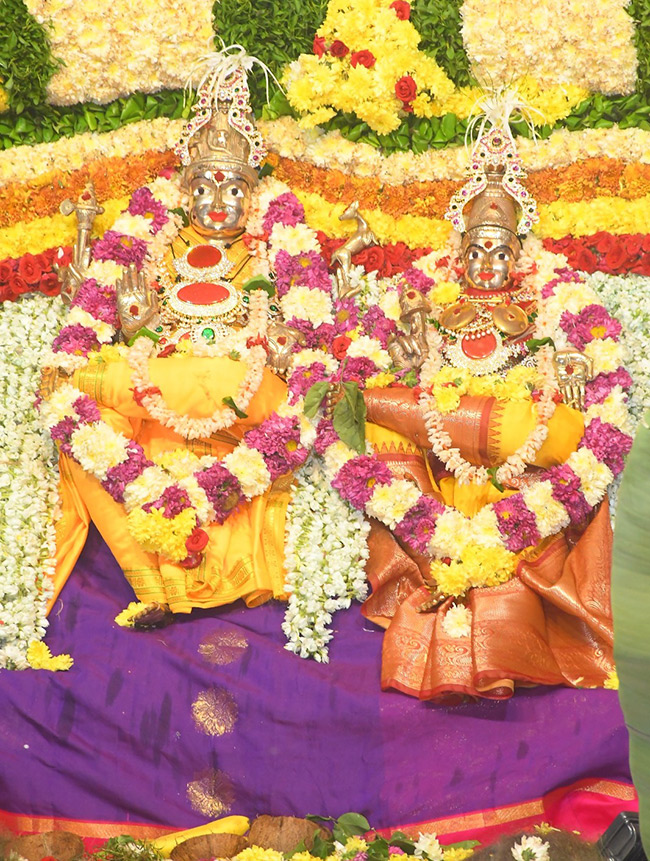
[114, 738]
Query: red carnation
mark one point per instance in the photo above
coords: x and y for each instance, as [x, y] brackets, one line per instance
[339, 49]
[49, 284]
[29, 269]
[319, 46]
[402, 9]
[197, 541]
[406, 89]
[363, 58]
[340, 346]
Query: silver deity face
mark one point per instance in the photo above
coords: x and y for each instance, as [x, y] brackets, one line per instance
[488, 266]
[220, 201]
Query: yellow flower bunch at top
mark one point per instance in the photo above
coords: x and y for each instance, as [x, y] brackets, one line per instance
[366, 47]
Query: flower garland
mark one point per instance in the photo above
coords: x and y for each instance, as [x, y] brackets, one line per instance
[483, 550]
[605, 252]
[28, 479]
[32, 273]
[325, 555]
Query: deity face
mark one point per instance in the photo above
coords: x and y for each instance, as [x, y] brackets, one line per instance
[488, 265]
[220, 201]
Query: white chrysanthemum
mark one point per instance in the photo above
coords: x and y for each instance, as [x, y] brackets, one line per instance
[614, 410]
[595, 477]
[457, 621]
[305, 358]
[180, 463]
[97, 448]
[608, 355]
[370, 348]
[294, 240]
[531, 849]
[389, 503]
[133, 225]
[59, 405]
[247, 465]
[449, 535]
[146, 487]
[485, 528]
[198, 498]
[167, 191]
[307, 304]
[105, 271]
[428, 846]
[551, 515]
[336, 456]
[104, 331]
[389, 304]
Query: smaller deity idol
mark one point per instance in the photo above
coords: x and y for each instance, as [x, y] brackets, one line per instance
[172, 443]
[487, 582]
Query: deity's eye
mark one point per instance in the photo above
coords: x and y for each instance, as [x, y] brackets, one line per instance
[236, 192]
[200, 190]
[473, 255]
[502, 255]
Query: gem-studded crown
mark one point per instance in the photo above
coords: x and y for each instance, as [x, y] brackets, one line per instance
[222, 133]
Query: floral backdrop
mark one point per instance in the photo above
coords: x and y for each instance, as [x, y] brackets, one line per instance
[95, 92]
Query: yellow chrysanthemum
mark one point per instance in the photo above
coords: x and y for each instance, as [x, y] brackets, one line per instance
[457, 854]
[447, 398]
[125, 618]
[451, 579]
[159, 534]
[256, 853]
[445, 293]
[39, 657]
[380, 381]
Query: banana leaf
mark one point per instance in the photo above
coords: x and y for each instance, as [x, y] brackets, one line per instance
[631, 609]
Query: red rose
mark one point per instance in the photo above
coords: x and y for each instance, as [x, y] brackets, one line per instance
[6, 270]
[29, 269]
[197, 541]
[319, 46]
[633, 244]
[17, 285]
[339, 49]
[370, 258]
[585, 260]
[340, 346]
[406, 89]
[646, 243]
[363, 58]
[63, 256]
[398, 258]
[617, 259]
[603, 242]
[50, 284]
[402, 9]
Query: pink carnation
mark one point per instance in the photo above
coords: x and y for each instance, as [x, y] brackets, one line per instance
[356, 480]
[98, 300]
[120, 248]
[144, 203]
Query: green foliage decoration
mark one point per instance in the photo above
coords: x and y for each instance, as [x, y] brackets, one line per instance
[439, 25]
[26, 62]
[275, 31]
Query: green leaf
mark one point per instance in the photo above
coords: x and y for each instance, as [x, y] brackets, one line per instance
[349, 418]
[403, 843]
[535, 344]
[354, 823]
[321, 848]
[229, 402]
[259, 282]
[492, 472]
[180, 211]
[266, 170]
[314, 398]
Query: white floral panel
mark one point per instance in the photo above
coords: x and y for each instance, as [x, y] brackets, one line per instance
[112, 48]
[589, 43]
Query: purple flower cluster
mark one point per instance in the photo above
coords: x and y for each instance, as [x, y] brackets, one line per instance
[418, 524]
[322, 336]
[600, 387]
[222, 489]
[87, 409]
[171, 502]
[566, 489]
[566, 276]
[609, 444]
[308, 269]
[418, 280]
[278, 440]
[517, 523]
[144, 203]
[303, 378]
[357, 370]
[285, 209]
[77, 339]
[325, 436]
[117, 477]
[357, 479]
[346, 316]
[98, 301]
[377, 325]
[120, 249]
[62, 431]
[591, 323]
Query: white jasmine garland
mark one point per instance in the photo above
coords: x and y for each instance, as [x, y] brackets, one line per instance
[325, 555]
[28, 478]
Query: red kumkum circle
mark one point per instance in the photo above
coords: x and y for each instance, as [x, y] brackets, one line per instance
[203, 256]
[479, 348]
[203, 293]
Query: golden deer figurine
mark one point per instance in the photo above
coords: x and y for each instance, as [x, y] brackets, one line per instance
[363, 237]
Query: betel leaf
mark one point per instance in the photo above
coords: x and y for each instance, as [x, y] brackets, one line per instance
[349, 418]
[314, 398]
[353, 823]
[229, 402]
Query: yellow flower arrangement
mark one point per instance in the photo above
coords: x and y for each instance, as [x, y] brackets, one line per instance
[588, 44]
[155, 532]
[39, 657]
[480, 567]
[125, 618]
[457, 854]
[112, 48]
[344, 79]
